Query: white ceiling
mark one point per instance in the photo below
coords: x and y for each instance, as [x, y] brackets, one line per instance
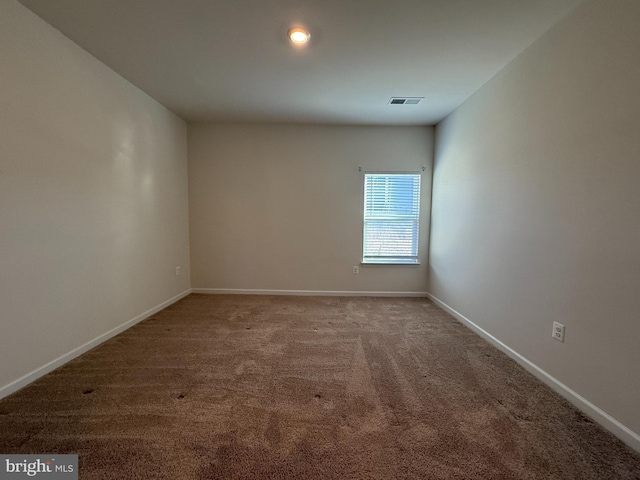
[230, 60]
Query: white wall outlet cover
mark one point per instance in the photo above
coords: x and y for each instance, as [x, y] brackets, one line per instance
[558, 331]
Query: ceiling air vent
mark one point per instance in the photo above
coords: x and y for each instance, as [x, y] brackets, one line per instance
[405, 100]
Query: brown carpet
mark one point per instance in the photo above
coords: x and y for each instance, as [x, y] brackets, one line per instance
[257, 387]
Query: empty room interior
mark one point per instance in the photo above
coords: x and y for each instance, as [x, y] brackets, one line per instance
[320, 238]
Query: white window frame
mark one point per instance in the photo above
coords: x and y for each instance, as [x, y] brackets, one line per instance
[391, 219]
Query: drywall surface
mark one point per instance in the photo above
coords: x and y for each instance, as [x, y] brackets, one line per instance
[279, 207]
[536, 206]
[93, 197]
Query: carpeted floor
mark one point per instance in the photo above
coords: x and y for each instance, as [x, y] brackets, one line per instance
[257, 387]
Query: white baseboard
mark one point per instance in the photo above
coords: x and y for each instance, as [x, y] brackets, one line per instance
[43, 370]
[306, 293]
[624, 433]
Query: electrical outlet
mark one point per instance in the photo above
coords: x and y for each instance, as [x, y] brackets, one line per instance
[177, 270]
[356, 270]
[558, 331]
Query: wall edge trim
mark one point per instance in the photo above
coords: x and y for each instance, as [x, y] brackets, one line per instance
[306, 293]
[32, 376]
[618, 429]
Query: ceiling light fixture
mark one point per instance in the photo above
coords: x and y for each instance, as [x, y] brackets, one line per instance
[299, 36]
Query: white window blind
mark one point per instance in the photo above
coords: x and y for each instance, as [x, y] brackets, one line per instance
[391, 217]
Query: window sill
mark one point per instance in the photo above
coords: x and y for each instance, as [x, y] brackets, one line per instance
[390, 264]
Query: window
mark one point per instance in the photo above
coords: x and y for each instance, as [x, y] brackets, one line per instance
[391, 218]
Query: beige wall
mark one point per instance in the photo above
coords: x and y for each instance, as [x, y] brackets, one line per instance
[279, 207]
[536, 206]
[93, 197]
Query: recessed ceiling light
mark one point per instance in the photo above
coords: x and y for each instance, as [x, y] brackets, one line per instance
[299, 36]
